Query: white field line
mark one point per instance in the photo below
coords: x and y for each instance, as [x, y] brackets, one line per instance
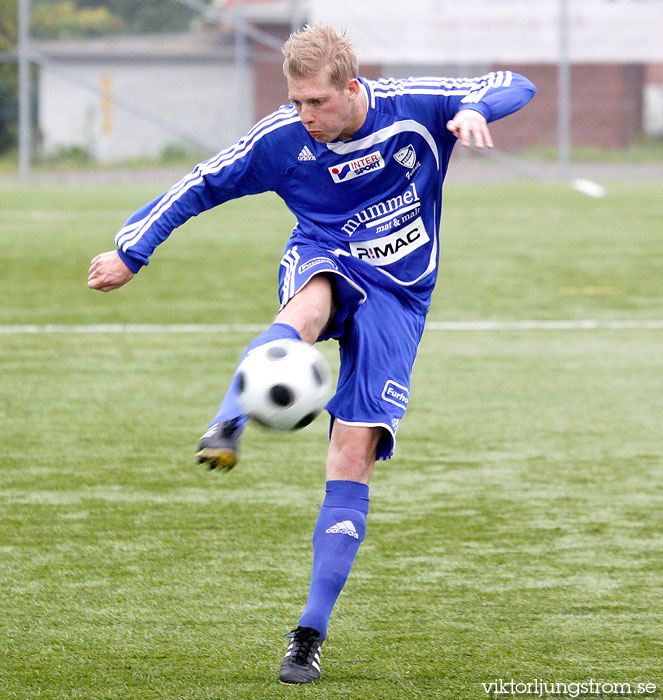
[531, 325]
[562, 325]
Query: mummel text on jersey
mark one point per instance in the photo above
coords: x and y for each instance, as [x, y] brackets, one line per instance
[375, 197]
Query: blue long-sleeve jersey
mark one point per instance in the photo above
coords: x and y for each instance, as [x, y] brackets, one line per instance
[375, 197]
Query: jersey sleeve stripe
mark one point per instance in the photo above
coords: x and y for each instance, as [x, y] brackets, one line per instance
[488, 82]
[277, 117]
[131, 227]
[130, 235]
[474, 88]
[420, 91]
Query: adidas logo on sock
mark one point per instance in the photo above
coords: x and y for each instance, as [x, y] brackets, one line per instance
[346, 527]
[305, 154]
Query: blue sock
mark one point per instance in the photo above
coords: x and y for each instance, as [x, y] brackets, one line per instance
[230, 407]
[339, 531]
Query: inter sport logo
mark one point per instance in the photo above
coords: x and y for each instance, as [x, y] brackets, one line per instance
[356, 168]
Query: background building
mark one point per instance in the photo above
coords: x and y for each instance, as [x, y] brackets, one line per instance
[122, 97]
[128, 96]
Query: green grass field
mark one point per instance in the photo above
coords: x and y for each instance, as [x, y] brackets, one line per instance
[517, 534]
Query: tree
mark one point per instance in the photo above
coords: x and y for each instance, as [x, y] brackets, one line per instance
[64, 20]
[8, 77]
[147, 15]
[79, 18]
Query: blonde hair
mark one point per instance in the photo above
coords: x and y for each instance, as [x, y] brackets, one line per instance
[317, 49]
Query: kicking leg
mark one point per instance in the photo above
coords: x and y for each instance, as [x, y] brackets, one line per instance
[303, 317]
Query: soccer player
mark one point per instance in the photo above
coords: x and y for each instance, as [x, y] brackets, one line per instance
[361, 164]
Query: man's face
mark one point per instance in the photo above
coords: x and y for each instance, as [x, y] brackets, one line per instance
[327, 113]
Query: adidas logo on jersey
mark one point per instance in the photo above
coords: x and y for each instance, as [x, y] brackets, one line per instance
[305, 154]
[343, 528]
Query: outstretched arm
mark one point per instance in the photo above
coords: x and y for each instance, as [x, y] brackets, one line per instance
[491, 97]
[254, 164]
[108, 272]
[469, 125]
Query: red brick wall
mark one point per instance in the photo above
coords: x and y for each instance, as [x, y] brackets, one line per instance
[270, 89]
[606, 107]
[654, 73]
[606, 104]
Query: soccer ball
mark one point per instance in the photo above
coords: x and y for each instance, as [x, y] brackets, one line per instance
[284, 384]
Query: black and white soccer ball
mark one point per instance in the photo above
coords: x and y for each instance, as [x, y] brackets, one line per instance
[284, 384]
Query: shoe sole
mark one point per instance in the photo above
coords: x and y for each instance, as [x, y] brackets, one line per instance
[222, 457]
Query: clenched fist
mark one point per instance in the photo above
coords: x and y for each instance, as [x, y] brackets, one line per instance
[108, 272]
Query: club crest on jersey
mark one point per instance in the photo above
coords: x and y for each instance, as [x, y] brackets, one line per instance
[407, 157]
[357, 167]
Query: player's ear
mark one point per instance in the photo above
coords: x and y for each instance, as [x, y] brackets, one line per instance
[352, 88]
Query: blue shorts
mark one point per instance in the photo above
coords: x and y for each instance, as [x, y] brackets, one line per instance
[378, 334]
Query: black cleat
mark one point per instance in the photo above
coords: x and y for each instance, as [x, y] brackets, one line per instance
[301, 663]
[219, 446]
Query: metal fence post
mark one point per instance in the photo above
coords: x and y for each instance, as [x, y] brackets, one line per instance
[564, 93]
[24, 101]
